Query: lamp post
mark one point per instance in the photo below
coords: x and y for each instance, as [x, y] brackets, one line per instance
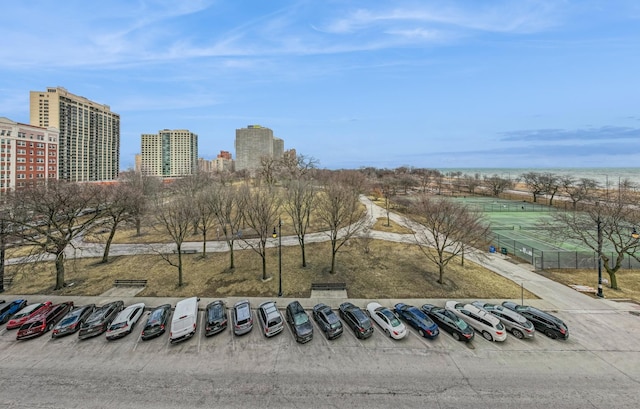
[278, 234]
[599, 294]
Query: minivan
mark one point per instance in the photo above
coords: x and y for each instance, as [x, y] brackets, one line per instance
[270, 318]
[242, 319]
[185, 320]
[483, 322]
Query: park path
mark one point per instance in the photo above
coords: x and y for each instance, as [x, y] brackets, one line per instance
[553, 295]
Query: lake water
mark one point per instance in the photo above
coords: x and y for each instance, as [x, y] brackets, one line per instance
[606, 177]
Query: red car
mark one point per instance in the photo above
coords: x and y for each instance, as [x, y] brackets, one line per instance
[44, 321]
[26, 313]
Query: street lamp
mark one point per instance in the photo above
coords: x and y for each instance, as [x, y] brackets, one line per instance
[278, 234]
[599, 294]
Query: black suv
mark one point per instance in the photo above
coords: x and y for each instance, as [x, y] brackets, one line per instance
[551, 326]
[299, 321]
[356, 319]
[100, 319]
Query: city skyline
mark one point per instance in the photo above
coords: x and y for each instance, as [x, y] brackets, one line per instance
[438, 84]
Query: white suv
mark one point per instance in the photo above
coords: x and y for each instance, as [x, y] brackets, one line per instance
[488, 325]
[270, 319]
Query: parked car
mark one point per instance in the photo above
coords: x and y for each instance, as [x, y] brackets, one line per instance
[44, 321]
[100, 319]
[299, 322]
[387, 320]
[184, 322]
[356, 319]
[418, 320]
[515, 323]
[6, 311]
[270, 318]
[216, 318]
[327, 321]
[242, 319]
[27, 312]
[449, 322]
[548, 324]
[70, 323]
[157, 322]
[488, 325]
[124, 322]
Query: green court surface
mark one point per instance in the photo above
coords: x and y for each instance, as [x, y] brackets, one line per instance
[521, 222]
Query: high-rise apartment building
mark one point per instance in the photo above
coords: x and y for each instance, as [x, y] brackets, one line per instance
[89, 141]
[28, 155]
[253, 143]
[169, 153]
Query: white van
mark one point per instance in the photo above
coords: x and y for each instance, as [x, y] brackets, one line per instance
[185, 320]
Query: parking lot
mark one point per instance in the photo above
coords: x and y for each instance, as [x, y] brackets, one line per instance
[251, 370]
[586, 332]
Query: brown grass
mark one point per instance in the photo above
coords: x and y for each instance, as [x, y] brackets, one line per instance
[388, 270]
[628, 281]
[391, 227]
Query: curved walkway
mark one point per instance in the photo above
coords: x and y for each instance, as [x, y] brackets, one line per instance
[553, 295]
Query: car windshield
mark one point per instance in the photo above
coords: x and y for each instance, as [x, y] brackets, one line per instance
[68, 321]
[117, 326]
[335, 325]
[274, 321]
[359, 315]
[215, 312]
[460, 323]
[301, 319]
[34, 324]
[390, 317]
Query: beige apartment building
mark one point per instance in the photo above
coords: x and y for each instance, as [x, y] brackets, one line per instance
[89, 139]
[253, 143]
[28, 155]
[169, 153]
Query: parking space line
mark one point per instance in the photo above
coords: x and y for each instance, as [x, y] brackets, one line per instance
[146, 314]
[199, 326]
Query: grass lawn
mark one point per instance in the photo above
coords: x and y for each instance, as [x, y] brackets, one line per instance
[628, 282]
[387, 270]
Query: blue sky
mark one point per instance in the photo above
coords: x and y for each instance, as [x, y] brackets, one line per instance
[436, 84]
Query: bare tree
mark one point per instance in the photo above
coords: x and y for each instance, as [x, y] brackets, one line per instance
[297, 166]
[269, 170]
[340, 210]
[174, 214]
[579, 190]
[50, 217]
[228, 205]
[550, 185]
[535, 184]
[300, 198]
[120, 203]
[147, 187]
[496, 184]
[205, 213]
[190, 186]
[262, 209]
[604, 224]
[449, 227]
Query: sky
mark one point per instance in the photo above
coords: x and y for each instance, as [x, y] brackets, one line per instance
[432, 84]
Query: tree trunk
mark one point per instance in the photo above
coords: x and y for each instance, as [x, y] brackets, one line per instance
[179, 266]
[304, 255]
[441, 274]
[60, 270]
[204, 243]
[232, 264]
[333, 262]
[264, 267]
[107, 245]
[138, 225]
[613, 280]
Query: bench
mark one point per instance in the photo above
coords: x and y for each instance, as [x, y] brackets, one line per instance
[328, 286]
[130, 283]
[186, 251]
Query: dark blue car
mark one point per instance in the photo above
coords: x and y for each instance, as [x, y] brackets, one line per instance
[418, 320]
[8, 310]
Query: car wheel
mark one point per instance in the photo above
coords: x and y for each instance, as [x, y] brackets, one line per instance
[455, 336]
[386, 331]
[550, 334]
[49, 327]
[423, 334]
[356, 333]
[517, 333]
[487, 336]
